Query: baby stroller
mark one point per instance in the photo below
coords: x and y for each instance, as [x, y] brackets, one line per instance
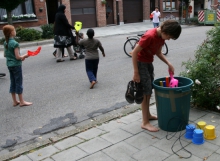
[78, 48]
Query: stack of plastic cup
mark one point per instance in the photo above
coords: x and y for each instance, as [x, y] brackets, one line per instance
[209, 133]
[198, 137]
[189, 131]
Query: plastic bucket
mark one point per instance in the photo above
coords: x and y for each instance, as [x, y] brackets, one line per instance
[198, 138]
[209, 132]
[189, 131]
[173, 104]
[201, 125]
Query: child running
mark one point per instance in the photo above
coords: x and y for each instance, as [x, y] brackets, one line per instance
[149, 45]
[14, 63]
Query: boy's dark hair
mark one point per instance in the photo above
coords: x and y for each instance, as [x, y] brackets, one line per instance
[90, 33]
[156, 7]
[171, 28]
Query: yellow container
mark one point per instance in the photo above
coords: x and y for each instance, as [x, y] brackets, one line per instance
[201, 125]
[209, 132]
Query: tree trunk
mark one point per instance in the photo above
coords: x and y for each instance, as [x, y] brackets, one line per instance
[9, 17]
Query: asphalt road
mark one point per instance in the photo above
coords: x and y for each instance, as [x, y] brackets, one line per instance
[60, 91]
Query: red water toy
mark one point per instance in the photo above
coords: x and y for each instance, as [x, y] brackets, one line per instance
[33, 53]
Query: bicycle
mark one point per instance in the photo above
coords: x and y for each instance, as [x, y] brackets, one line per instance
[131, 42]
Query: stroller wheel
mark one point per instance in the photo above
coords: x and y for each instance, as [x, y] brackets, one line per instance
[81, 56]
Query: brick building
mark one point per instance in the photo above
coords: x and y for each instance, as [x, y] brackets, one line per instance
[92, 13]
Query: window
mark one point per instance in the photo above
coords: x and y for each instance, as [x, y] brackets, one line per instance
[24, 8]
[169, 5]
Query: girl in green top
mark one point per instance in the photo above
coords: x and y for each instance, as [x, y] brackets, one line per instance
[14, 63]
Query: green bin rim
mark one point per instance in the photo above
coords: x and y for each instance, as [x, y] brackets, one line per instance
[176, 88]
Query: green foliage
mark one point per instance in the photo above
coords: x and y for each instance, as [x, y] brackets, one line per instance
[194, 20]
[27, 34]
[9, 5]
[206, 68]
[47, 31]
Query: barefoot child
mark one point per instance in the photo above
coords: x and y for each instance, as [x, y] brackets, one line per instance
[149, 45]
[14, 63]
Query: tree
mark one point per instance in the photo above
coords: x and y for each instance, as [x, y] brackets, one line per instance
[10, 5]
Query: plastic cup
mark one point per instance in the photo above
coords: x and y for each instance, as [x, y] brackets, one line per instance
[198, 138]
[209, 133]
[201, 125]
[189, 131]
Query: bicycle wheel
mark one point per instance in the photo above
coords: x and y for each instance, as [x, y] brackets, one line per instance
[129, 46]
[164, 49]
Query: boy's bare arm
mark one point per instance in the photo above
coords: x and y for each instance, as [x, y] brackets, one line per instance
[134, 54]
[163, 58]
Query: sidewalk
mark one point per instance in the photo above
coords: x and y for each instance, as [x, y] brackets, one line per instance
[122, 139]
[116, 135]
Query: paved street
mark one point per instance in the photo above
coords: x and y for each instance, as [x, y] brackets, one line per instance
[64, 106]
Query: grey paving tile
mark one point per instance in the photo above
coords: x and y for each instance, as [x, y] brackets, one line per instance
[43, 153]
[111, 125]
[200, 151]
[218, 151]
[166, 145]
[66, 129]
[22, 158]
[150, 154]
[133, 128]
[48, 159]
[71, 154]
[94, 145]
[210, 119]
[116, 136]
[177, 158]
[99, 156]
[120, 151]
[68, 142]
[195, 114]
[214, 157]
[159, 134]
[91, 133]
[129, 118]
[141, 140]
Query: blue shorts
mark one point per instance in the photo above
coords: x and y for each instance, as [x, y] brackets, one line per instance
[16, 79]
[146, 72]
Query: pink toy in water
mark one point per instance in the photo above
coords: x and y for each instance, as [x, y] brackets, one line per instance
[173, 82]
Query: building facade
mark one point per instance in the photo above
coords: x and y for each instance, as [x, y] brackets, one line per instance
[98, 13]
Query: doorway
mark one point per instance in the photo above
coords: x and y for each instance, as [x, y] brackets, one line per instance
[109, 12]
[152, 6]
[52, 6]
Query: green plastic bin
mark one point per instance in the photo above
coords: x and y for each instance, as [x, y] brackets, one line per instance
[173, 104]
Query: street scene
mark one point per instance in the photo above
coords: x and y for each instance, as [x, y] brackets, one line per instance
[63, 102]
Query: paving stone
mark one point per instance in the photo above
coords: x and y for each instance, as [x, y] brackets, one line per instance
[99, 156]
[94, 145]
[111, 125]
[195, 114]
[141, 140]
[210, 119]
[120, 151]
[68, 142]
[218, 151]
[48, 159]
[91, 133]
[133, 128]
[214, 157]
[177, 158]
[66, 129]
[200, 151]
[150, 154]
[166, 145]
[160, 134]
[71, 154]
[22, 158]
[129, 118]
[43, 153]
[116, 136]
